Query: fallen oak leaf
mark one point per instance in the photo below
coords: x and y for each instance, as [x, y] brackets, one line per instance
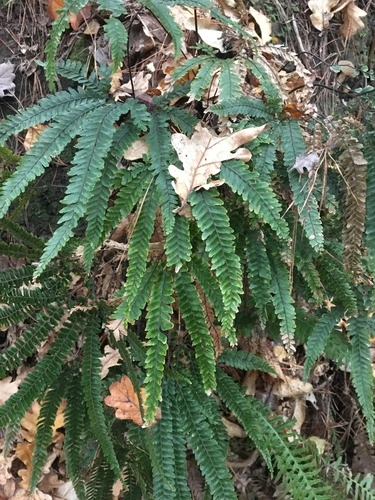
[202, 156]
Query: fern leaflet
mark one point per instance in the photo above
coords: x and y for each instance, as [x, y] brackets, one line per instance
[241, 105]
[117, 36]
[177, 244]
[244, 361]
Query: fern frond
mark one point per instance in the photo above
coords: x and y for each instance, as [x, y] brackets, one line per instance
[178, 244]
[18, 251]
[189, 65]
[11, 279]
[241, 105]
[49, 144]
[163, 439]
[47, 108]
[58, 27]
[31, 339]
[203, 78]
[244, 360]
[369, 153]
[229, 80]
[283, 303]
[208, 453]
[165, 18]
[292, 142]
[44, 433]
[44, 373]
[183, 120]
[138, 249]
[310, 274]
[101, 480]
[117, 7]
[92, 388]
[299, 471]
[318, 339]
[74, 423]
[93, 145]
[359, 487]
[117, 37]
[123, 138]
[21, 234]
[361, 368]
[77, 72]
[258, 69]
[260, 197]
[201, 4]
[159, 311]
[192, 312]
[217, 234]
[265, 157]
[259, 272]
[159, 141]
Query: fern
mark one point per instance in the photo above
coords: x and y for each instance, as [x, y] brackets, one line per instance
[163, 440]
[177, 244]
[213, 221]
[74, 422]
[265, 156]
[117, 36]
[241, 105]
[361, 370]
[229, 82]
[92, 387]
[117, 7]
[360, 488]
[50, 143]
[18, 251]
[369, 153]
[159, 313]
[14, 278]
[159, 141]
[44, 433]
[44, 373]
[318, 339]
[292, 142]
[208, 454]
[193, 315]
[21, 234]
[261, 199]
[259, 272]
[300, 476]
[101, 480]
[257, 68]
[75, 71]
[163, 15]
[138, 249]
[244, 361]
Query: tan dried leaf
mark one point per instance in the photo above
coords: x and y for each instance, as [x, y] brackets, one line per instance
[124, 398]
[292, 388]
[352, 20]
[136, 150]
[32, 135]
[111, 358]
[322, 12]
[92, 27]
[8, 388]
[202, 155]
[233, 429]
[264, 24]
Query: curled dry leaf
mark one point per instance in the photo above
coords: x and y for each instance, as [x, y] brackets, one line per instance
[324, 10]
[202, 155]
[352, 20]
[110, 358]
[124, 398]
[6, 79]
[32, 135]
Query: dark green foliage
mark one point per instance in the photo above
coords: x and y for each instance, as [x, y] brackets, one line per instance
[244, 361]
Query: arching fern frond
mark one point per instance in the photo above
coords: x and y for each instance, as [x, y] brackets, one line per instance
[242, 105]
[318, 338]
[44, 373]
[117, 7]
[14, 278]
[361, 369]
[159, 311]
[292, 142]
[75, 71]
[192, 312]
[261, 199]
[208, 454]
[92, 388]
[117, 37]
[44, 433]
[229, 81]
[369, 153]
[138, 249]
[213, 221]
[21, 234]
[178, 244]
[93, 145]
[244, 360]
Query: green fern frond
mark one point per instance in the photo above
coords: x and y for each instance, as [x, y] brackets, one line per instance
[58, 27]
[18, 251]
[292, 142]
[74, 423]
[159, 141]
[208, 453]
[117, 7]
[259, 272]
[241, 105]
[229, 81]
[337, 282]
[192, 312]
[189, 65]
[47, 108]
[11, 279]
[21, 234]
[213, 221]
[101, 480]
[201, 270]
[123, 138]
[165, 18]
[369, 153]
[159, 312]
[117, 37]
[31, 339]
[261, 199]
[257, 68]
[183, 120]
[44, 373]
[201, 4]
[138, 249]
[358, 487]
[203, 78]
[265, 156]
[163, 439]
[77, 72]
[318, 339]
[178, 245]
[88, 163]
[361, 369]
[49, 144]
[92, 390]
[244, 360]
[283, 303]
[310, 274]
[44, 433]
